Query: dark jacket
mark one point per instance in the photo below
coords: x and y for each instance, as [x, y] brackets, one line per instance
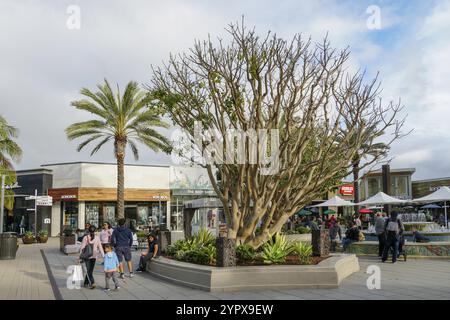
[352, 233]
[122, 237]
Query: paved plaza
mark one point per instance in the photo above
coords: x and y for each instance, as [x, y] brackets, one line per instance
[27, 278]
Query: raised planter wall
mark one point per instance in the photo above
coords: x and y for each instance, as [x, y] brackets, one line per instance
[412, 249]
[327, 274]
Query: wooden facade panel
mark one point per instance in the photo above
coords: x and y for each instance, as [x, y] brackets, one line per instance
[108, 194]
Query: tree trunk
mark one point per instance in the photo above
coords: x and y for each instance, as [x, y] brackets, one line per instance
[120, 155]
[356, 185]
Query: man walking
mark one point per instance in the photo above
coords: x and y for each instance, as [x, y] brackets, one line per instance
[393, 227]
[122, 239]
[379, 230]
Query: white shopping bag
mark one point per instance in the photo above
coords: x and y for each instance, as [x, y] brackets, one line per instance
[76, 277]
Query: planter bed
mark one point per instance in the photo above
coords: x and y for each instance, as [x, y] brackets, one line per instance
[328, 273]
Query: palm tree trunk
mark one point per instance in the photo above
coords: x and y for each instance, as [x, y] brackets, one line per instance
[356, 185]
[120, 156]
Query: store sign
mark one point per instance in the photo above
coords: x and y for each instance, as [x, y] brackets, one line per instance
[346, 190]
[47, 221]
[160, 197]
[194, 192]
[68, 196]
[436, 188]
[45, 201]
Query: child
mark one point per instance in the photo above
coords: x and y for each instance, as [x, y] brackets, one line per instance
[111, 263]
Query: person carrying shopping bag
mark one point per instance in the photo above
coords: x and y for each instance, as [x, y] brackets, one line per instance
[90, 249]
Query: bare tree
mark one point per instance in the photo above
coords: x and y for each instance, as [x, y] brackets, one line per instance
[322, 114]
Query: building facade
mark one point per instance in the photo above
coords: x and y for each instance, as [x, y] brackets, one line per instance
[29, 183]
[422, 188]
[400, 183]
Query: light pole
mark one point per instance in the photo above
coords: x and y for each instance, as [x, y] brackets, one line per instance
[2, 203]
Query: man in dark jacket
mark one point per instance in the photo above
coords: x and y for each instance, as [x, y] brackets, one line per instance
[351, 235]
[122, 239]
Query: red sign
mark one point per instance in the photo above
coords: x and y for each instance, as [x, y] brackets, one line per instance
[346, 190]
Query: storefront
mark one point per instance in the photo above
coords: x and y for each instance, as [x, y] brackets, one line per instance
[187, 184]
[29, 182]
[85, 192]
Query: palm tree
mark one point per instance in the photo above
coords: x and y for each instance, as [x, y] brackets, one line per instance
[124, 120]
[9, 152]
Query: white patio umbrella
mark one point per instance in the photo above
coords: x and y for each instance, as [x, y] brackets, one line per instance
[335, 202]
[381, 198]
[440, 195]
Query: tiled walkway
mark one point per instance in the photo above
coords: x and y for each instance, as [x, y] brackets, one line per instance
[414, 279]
[26, 276]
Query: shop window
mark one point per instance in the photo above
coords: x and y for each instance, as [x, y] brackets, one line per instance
[109, 213]
[92, 213]
[70, 215]
[142, 216]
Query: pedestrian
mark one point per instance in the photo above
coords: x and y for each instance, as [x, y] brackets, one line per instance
[335, 231]
[90, 248]
[379, 230]
[122, 240]
[393, 227]
[418, 237]
[153, 251]
[351, 235]
[358, 222]
[22, 225]
[106, 234]
[110, 266]
[313, 225]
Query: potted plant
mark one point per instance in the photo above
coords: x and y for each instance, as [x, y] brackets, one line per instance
[28, 238]
[67, 238]
[42, 236]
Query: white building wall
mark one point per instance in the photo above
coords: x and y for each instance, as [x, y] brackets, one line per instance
[105, 176]
[95, 175]
[66, 176]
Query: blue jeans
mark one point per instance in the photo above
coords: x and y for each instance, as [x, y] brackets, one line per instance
[392, 241]
[346, 242]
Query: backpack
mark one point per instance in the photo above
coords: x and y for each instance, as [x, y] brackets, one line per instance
[393, 226]
[87, 252]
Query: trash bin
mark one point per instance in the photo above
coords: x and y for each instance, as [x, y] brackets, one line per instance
[8, 245]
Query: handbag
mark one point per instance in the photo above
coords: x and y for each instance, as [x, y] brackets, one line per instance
[87, 252]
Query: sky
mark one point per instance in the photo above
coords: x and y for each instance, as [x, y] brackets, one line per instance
[46, 59]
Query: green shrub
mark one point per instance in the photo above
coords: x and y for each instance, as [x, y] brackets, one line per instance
[276, 251]
[303, 250]
[203, 255]
[43, 233]
[198, 249]
[141, 234]
[204, 238]
[28, 234]
[245, 253]
[302, 230]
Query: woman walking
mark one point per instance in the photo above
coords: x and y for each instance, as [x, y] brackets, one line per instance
[90, 248]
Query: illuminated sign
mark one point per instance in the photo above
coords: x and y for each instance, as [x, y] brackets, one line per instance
[346, 190]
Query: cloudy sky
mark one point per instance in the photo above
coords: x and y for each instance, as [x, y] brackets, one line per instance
[44, 63]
